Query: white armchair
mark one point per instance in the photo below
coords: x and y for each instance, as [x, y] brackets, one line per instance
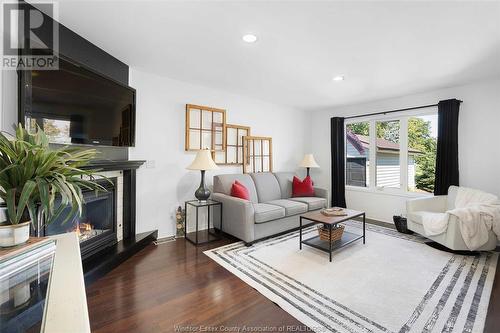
[451, 238]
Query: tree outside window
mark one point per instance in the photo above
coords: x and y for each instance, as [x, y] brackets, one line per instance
[422, 139]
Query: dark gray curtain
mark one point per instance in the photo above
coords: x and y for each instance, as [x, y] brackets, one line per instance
[447, 146]
[338, 161]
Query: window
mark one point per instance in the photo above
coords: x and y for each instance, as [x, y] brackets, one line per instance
[422, 145]
[402, 150]
[388, 173]
[358, 154]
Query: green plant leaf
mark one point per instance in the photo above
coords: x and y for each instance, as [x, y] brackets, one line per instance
[43, 190]
[56, 214]
[11, 205]
[24, 198]
[72, 213]
[32, 211]
[7, 168]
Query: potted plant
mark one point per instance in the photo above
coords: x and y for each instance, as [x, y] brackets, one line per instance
[32, 175]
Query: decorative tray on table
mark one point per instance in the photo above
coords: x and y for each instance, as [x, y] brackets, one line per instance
[334, 211]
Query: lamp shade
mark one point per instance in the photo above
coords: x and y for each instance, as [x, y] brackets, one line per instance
[203, 161]
[308, 162]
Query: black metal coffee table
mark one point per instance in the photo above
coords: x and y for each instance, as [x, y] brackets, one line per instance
[331, 222]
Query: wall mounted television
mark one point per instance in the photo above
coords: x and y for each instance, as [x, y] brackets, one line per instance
[75, 105]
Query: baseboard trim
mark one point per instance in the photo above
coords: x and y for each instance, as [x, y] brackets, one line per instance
[377, 222]
[163, 240]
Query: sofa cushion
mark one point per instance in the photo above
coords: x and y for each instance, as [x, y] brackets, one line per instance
[239, 190]
[291, 207]
[267, 186]
[312, 202]
[266, 212]
[417, 217]
[223, 184]
[285, 181]
[302, 188]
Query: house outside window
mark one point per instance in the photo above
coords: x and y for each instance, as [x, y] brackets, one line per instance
[403, 149]
[358, 154]
[388, 167]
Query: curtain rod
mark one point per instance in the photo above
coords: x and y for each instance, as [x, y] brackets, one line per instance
[393, 111]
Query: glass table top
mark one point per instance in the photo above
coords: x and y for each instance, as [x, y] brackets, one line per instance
[202, 203]
[23, 294]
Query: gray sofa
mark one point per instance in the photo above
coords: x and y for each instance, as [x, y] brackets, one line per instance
[271, 209]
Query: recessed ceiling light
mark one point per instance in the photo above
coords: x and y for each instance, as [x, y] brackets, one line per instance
[249, 38]
[339, 78]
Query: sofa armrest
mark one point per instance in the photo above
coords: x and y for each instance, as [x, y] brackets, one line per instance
[435, 204]
[322, 193]
[237, 216]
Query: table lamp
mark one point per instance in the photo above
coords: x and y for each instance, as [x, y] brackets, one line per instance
[203, 161]
[308, 162]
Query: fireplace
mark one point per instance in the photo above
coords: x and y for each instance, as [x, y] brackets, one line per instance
[97, 226]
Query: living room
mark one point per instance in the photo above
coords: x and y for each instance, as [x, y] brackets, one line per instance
[325, 166]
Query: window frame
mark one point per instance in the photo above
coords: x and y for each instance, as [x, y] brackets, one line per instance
[403, 118]
[214, 147]
[250, 158]
[238, 128]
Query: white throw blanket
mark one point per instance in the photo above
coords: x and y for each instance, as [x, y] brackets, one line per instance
[477, 213]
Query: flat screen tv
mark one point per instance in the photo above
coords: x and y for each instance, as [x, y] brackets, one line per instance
[75, 105]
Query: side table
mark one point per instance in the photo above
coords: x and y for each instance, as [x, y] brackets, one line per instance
[198, 237]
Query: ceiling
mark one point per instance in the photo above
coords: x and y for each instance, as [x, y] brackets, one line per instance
[384, 49]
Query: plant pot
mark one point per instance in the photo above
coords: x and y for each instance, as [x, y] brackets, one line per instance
[401, 225]
[14, 234]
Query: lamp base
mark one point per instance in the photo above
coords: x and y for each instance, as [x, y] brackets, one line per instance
[202, 193]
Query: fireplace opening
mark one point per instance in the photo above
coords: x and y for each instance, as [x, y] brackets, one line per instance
[96, 226]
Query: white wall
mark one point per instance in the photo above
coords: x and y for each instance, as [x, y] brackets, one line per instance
[160, 140]
[479, 142]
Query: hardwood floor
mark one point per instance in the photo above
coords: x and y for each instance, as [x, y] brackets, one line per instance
[176, 284]
[492, 324]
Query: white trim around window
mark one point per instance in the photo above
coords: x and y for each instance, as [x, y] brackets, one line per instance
[403, 152]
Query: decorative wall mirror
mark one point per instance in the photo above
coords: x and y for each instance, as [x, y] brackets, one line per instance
[205, 128]
[233, 155]
[257, 154]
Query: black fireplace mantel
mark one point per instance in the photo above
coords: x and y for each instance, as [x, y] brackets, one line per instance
[111, 165]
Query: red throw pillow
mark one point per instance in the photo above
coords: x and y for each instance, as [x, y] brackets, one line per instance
[302, 188]
[238, 190]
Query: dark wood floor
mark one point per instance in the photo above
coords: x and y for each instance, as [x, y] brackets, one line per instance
[176, 284]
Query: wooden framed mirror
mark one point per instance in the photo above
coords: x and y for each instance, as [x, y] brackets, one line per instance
[205, 128]
[257, 154]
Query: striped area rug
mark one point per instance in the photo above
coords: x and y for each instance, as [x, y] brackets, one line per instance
[393, 283]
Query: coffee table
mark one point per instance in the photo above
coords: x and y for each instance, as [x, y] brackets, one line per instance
[330, 222]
